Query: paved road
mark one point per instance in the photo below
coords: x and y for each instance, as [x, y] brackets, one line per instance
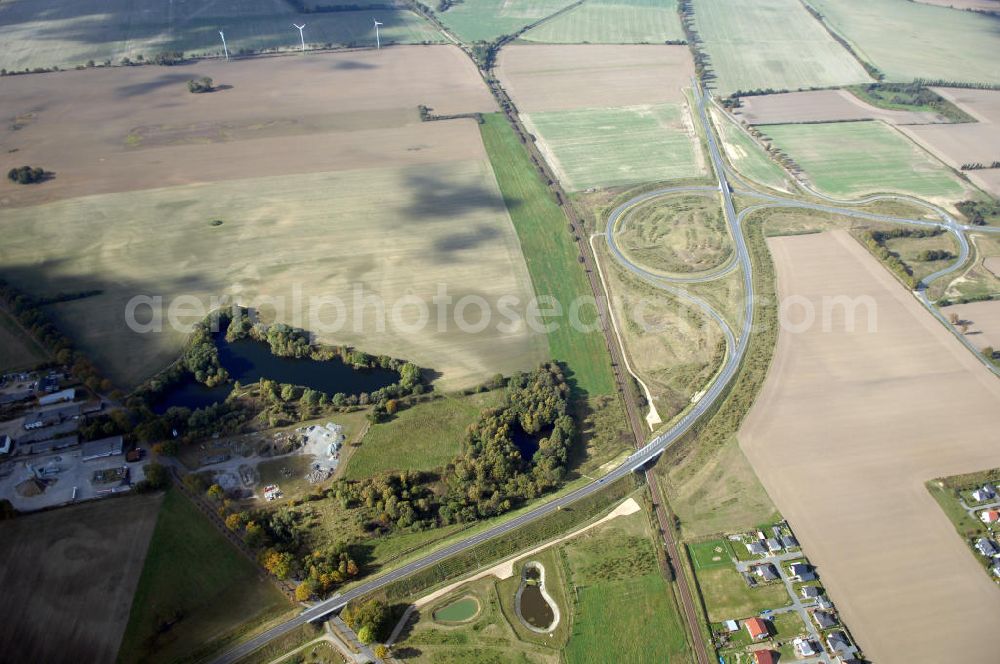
[737, 343]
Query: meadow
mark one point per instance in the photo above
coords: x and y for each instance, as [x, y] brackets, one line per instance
[726, 595]
[485, 20]
[196, 580]
[612, 22]
[68, 33]
[551, 256]
[608, 147]
[908, 40]
[746, 156]
[852, 158]
[424, 436]
[771, 44]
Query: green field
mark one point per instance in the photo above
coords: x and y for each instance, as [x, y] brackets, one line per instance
[727, 596]
[746, 156]
[621, 592]
[852, 158]
[612, 22]
[196, 580]
[710, 555]
[71, 32]
[771, 44]
[609, 147]
[908, 40]
[318, 235]
[485, 20]
[17, 349]
[551, 256]
[423, 437]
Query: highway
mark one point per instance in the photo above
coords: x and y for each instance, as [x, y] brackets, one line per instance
[737, 343]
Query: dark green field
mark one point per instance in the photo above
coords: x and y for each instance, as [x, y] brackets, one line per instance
[550, 253]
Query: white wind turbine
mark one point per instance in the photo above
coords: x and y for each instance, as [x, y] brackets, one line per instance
[224, 47]
[378, 42]
[301, 38]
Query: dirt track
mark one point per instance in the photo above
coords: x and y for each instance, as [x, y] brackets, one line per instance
[846, 431]
[68, 578]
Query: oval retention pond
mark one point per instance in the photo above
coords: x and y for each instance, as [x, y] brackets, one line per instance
[460, 610]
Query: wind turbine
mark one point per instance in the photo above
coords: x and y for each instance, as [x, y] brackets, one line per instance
[301, 38]
[224, 47]
[378, 42]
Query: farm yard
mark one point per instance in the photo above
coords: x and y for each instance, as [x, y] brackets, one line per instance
[310, 227]
[608, 147]
[910, 40]
[612, 22]
[822, 106]
[563, 78]
[485, 20]
[852, 158]
[876, 415]
[68, 577]
[773, 44]
[68, 33]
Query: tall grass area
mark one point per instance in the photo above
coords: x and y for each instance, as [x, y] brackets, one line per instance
[195, 587]
[550, 253]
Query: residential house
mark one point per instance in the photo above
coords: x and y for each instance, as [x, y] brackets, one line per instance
[995, 569]
[838, 643]
[987, 547]
[756, 548]
[824, 602]
[773, 545]
[766, 572]
[984, 493]
[765, 657]
[803, 647]
[990, 516]
[788, 541]
[810, 592]
[731, 626]
[801, 572]
[757, 628]
[824, 619]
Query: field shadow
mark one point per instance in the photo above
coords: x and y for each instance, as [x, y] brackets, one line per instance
[353, 64]
[165, 80]
[436, 197]
[462, 241]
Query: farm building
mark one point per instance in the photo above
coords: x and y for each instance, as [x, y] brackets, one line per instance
[44, 418]
[57, 397]
[53, 444]
[757, 629]
[106, 447]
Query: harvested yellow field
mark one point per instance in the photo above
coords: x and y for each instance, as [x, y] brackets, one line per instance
[849, 426]
[561, 78]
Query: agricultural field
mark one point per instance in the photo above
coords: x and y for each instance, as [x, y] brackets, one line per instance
[822, 106]
[69, 575]
[551, 256]
[563, 78]
[424, 436]
[197, 583]
[68, 33]
[910, 40]
[818, 421]
[685, 233]
[485, 20]
[847, 159]
[971, 143]
[976, 5]
[612, 22]
[17, 349]
[609, 147]
[310, 226]
[746, 155]
[983, 319]
[773, 44]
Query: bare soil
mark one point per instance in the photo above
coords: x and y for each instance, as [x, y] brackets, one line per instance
[68, 577]
[983, 319]
[977, 5]
[560, 78]
[121, 129]
[846, 431]
[822, 106]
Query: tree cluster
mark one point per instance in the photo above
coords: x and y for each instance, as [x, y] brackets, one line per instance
[204, 84]
[201, 357]
[978, 165]
[980, 213]
[26, 174]
[371, 620]
[929, 255]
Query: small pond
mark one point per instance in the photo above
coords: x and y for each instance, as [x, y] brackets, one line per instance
[526, 443]
[248, 361]
[458, 611]
[533, 605]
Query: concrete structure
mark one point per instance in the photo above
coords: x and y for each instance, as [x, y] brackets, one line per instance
[57, 397]
[106, 447]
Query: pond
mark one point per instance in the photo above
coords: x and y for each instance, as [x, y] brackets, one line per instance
[458, 611]
[526, 443]
[248, 361]
[533, 605]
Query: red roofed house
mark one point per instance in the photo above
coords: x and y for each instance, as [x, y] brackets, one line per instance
[757, 628]
[764, 657]
[990, 516]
